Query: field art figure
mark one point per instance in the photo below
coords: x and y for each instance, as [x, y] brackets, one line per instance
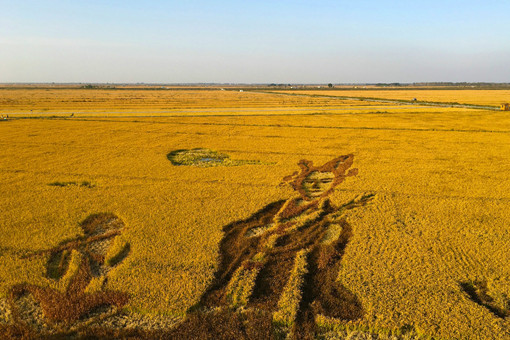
[79, 268]
[279, 267]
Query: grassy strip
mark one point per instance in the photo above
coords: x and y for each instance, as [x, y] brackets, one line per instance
[385, 100]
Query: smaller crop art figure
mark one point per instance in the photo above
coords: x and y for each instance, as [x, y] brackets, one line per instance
[79, 269]
[279, 267]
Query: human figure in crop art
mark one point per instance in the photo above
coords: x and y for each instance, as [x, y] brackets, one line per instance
[285, 258]
[80, 267]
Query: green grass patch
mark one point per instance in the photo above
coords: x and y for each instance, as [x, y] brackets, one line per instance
[205, 158]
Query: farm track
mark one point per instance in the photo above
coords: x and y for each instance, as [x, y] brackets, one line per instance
[142, 114]
[240, 109]
[393, 101]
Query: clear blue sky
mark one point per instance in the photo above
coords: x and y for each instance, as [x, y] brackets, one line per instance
[281, 41]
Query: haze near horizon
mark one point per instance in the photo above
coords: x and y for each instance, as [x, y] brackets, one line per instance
[254, 42]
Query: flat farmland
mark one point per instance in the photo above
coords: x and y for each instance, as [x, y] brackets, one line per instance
[462, 96]
[77, 100]
[425, 252]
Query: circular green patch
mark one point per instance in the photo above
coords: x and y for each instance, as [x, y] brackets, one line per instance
[204, 158]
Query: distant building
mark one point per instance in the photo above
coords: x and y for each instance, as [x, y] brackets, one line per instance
[505, 107]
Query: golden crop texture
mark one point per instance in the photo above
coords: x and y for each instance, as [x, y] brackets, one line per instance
[465, 96]
[439, 217]
[145, 101]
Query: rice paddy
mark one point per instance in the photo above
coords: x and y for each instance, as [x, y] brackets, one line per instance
[230, 213]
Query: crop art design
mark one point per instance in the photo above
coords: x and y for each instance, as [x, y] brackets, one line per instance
[496, 302]
[79, 268]
[205, 158]
[279, 267]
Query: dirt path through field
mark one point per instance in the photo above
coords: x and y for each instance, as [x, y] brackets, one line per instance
[392, 101]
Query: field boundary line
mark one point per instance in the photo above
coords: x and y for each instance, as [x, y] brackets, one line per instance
[226, 109]
[385, 100]
[112, 120]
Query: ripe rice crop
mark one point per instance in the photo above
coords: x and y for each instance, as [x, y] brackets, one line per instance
[57, 100]
[428, 253]
[464, 96]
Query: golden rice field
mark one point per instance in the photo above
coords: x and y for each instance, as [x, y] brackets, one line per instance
[63, 100]
[435, 231]
[464, 96]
